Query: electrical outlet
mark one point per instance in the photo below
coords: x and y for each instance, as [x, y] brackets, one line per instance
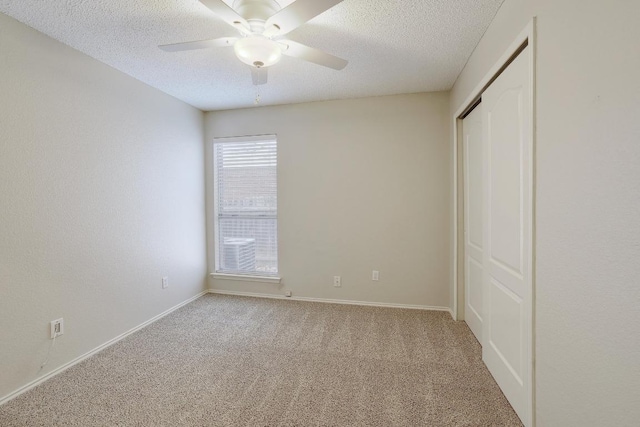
[375, 275]
[287, 294]
[57, 327]
[165, 282]
[337, 282]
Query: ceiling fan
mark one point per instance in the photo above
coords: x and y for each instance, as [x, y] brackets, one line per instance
[262, 25]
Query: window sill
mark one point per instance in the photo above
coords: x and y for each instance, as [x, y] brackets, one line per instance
[246, 278]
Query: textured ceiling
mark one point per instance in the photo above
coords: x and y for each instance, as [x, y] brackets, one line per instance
[393, 46]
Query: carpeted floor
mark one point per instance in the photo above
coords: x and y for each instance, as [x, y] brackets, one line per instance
[237, 361]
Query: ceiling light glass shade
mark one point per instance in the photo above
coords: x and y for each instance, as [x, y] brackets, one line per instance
[258, 51]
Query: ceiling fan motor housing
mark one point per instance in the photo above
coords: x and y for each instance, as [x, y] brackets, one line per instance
[257, 50]
[256, 10]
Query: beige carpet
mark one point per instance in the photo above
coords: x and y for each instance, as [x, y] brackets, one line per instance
[237, 361]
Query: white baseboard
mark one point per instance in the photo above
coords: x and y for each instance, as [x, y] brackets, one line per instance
[90, 353]
[333, 301]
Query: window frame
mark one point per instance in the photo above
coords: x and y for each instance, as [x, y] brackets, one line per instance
[253, 276]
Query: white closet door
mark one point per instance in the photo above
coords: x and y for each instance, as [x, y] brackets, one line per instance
[473, 211]
[506, 349]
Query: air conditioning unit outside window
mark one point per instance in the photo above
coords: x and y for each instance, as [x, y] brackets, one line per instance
[238, 254]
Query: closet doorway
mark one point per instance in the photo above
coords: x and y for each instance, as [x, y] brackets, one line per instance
[495, 225]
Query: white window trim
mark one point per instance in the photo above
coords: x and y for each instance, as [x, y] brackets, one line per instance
[248, 277]
[248, 138]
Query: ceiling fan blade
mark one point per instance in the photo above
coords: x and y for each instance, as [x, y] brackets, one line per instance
[227, 14]
[298, 50]
[201, 44]
[259, 75]
[296, 14]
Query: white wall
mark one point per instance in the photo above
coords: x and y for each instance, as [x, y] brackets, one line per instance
[587, 317]
[362, 186]
[101, 194]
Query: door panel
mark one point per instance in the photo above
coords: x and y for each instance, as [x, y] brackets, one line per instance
[505, 191]
[507, 233]
[473, 211]
[505, 318]
[474, 294]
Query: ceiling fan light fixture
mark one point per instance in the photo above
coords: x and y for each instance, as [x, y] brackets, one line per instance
[258, 51]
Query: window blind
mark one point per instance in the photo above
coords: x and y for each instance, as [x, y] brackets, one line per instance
[246, 205]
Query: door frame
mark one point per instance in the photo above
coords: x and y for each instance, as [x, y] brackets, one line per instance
[526, 38]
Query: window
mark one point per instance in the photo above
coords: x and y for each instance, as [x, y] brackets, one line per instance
[246, 205]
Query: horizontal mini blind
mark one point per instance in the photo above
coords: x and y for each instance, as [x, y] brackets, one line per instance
[246, 205]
